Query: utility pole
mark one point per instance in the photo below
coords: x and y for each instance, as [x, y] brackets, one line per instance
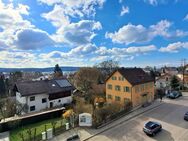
[183, 71]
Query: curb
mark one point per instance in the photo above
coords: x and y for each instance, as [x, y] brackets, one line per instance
[129, 112]
[122, 122]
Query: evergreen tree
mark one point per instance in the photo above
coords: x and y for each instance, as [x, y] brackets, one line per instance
[153, 74]
[57, 71]
[174, 83]
[2, 86]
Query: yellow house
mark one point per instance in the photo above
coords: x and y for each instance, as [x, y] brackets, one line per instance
[129, 83]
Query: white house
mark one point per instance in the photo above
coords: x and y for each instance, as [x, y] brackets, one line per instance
[39, 95]
[163, 81]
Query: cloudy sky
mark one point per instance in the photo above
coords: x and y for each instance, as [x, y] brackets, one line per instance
[42, 33]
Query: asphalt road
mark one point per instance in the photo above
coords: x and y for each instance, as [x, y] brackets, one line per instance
[170, 115]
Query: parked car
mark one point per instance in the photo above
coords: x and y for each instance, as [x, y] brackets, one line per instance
[174, 94]
[186, 116]
[73, 138]
[151, 128]
[180, 94]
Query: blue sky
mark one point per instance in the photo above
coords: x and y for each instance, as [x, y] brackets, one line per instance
[42, 33]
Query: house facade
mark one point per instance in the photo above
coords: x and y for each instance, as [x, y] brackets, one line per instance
[169, 70]
[163, 81]
[131, 84]
[35, 96]
[180, 76]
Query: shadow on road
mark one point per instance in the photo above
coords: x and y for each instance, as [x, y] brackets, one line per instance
[164, 135]
[171, 113]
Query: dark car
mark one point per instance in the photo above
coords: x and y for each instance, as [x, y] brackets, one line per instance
[180, 94]
[174, 94]
[167, 95]
[73, 138]
[186, 116]
[151, 128]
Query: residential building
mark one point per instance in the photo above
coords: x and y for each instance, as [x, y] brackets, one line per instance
[169, 70]
[39, 95]
[129, 84]
[163, 81]
[180, 76]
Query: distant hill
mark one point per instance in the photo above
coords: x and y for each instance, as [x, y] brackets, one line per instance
[50, 69]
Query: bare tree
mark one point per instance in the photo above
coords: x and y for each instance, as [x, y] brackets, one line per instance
[2, 110]
[107, 67]
[85, 77]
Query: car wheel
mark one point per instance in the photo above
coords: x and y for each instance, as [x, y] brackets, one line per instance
[160, 129]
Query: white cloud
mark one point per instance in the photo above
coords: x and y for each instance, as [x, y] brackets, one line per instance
[121, 54]
[139, 34]
[31, 39]
[152, 2]
[83, 50]
[3, 46]
[11, 20]
[124, 10]
[77, 33]
[74, 8]
[174, 47]
[157, 2]
[125, 51]
[79, 56]
[186, 17]
[23, 9]
[91, 54]
[70, 32]
[50, 2]
[120, 1]
[57, 16]
[77, 52]
[18, 33]
[12, 16]
[17, 59]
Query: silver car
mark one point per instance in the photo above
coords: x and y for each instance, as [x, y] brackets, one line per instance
[152, 127]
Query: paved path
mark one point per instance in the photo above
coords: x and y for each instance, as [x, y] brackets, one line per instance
[87, 133]
[4, 136]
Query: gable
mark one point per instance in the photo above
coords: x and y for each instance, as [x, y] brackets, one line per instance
[120, 79]
[133, 75]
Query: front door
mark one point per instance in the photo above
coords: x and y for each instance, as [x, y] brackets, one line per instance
[51, 104]
[144, 98]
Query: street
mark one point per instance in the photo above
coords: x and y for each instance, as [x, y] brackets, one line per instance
[169, 114]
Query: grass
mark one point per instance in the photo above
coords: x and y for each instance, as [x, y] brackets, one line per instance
[40, 127]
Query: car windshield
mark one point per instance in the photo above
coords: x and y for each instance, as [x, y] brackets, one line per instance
[174, 93]
[150, 125]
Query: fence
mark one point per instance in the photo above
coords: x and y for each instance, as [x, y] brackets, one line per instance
[25, 120]
[57, 131]
[113, 117]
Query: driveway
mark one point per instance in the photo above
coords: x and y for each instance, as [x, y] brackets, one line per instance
[169, 114]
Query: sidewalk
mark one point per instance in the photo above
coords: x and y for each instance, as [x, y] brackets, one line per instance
[87, 133]
[4, 136]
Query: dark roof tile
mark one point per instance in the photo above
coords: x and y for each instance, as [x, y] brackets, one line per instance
[43, 86]
[134, 75]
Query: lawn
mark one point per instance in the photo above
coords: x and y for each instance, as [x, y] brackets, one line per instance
[40, 127]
